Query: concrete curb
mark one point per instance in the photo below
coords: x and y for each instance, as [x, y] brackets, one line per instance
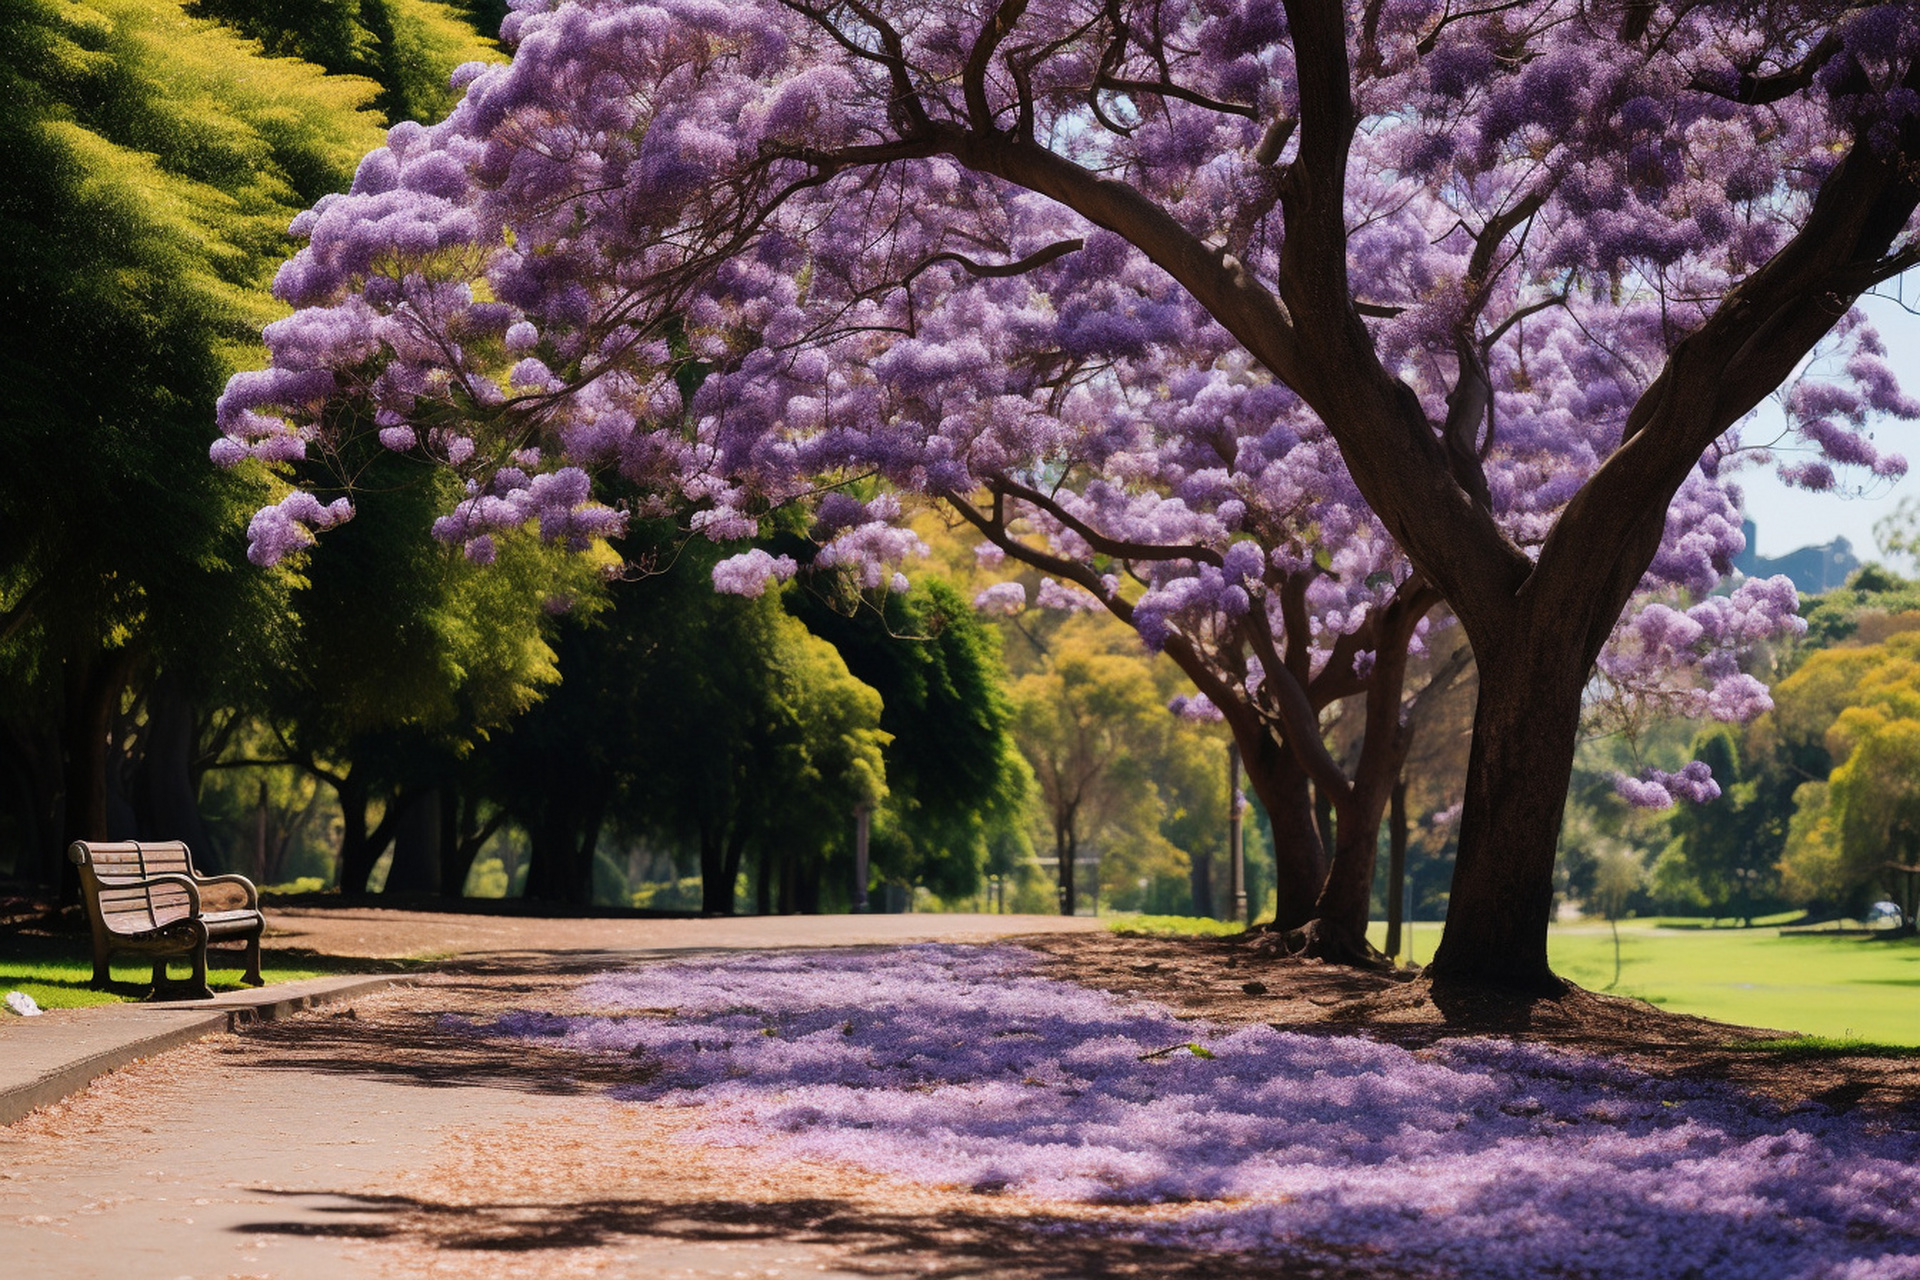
[44, 1059]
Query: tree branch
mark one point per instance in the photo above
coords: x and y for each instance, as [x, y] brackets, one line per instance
[1118, 548]
[1167, 89]
[974, 78]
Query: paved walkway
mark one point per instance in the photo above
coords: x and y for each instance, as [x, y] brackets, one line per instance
[361, 1139]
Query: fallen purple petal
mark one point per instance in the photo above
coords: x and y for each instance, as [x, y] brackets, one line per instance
[960, 1066]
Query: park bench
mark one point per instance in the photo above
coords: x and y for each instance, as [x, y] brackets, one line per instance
[145, 897]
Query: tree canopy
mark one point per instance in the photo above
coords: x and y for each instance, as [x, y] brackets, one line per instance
[1343, 308]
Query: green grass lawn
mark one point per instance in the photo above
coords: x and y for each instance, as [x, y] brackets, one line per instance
[1839, 988]
[55, 971]
[1832, 988]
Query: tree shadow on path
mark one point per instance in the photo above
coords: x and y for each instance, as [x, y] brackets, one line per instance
[949, 1244]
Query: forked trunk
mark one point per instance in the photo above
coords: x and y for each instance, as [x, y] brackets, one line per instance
[357, 851]
[1338, 931]
[1524, 731]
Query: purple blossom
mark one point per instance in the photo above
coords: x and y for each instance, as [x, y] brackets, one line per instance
[1197, 707]
[748, 573]
[1658, 789]
[289, 525]
[1001, 597]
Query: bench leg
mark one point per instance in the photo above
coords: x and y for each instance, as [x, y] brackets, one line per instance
[198, 988]
[252, 976]
[102, 955]
[195, 987]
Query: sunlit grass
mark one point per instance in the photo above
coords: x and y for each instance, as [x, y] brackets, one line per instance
[56, 971]
[1172, 926]
[1838, 989]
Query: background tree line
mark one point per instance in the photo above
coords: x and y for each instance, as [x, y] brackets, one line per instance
[385, 713]
[1820, 798]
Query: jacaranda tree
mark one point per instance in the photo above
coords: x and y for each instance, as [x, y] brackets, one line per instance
[1201, 293]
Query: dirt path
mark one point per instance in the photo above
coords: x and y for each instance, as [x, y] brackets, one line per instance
[374, 1142]
[378, 933]
[378, 1142]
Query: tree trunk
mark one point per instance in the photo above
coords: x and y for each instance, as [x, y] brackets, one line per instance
[1524, 731]
[1066, 847]
[462, 836]
[763, 881]
[1323, 819]
[360, 849]
[1200, 877]
[716, 891]
[93, 689]
[1338, 930]
[416, 845]
[1396, 863]
[733, 854]
[30, 755]
[580, 889]
[165, 804]
[811, 872]
[554, 848]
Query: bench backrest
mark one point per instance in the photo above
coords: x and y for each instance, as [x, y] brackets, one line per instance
[134, 908]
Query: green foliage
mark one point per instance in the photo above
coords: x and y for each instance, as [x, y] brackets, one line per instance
[1863, 703]
[1872, 595]
[1090, 722]
[399, 632]
[154, 161]
[407, 47]
[708, 723]
[957, 785]
[1724, 852]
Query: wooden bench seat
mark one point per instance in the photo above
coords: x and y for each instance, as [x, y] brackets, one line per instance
[145, 897]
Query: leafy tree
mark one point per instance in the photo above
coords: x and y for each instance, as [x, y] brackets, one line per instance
[407, 655]
[956, 784]
[1724, 850]
[1618, 874]
[1087, 722]
[1867, 812]
[155, 162]
[159, 156]
[711, 723]
[407, 47]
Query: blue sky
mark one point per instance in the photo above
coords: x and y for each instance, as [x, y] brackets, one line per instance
[1789, 518]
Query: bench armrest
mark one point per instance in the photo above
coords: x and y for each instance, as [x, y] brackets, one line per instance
[253, 894]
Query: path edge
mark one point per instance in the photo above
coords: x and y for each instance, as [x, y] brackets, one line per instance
[229, 1012]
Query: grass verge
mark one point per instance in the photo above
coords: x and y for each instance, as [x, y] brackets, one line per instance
[1172, 926]
[56, 970]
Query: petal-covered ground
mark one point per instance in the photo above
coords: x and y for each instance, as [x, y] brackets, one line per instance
[961, 1066]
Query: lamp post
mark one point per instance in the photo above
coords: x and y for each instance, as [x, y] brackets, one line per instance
[1236, 851]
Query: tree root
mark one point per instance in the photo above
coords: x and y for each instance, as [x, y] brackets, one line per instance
[1322, 939]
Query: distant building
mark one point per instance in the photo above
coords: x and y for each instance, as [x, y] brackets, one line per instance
[1813, 569]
